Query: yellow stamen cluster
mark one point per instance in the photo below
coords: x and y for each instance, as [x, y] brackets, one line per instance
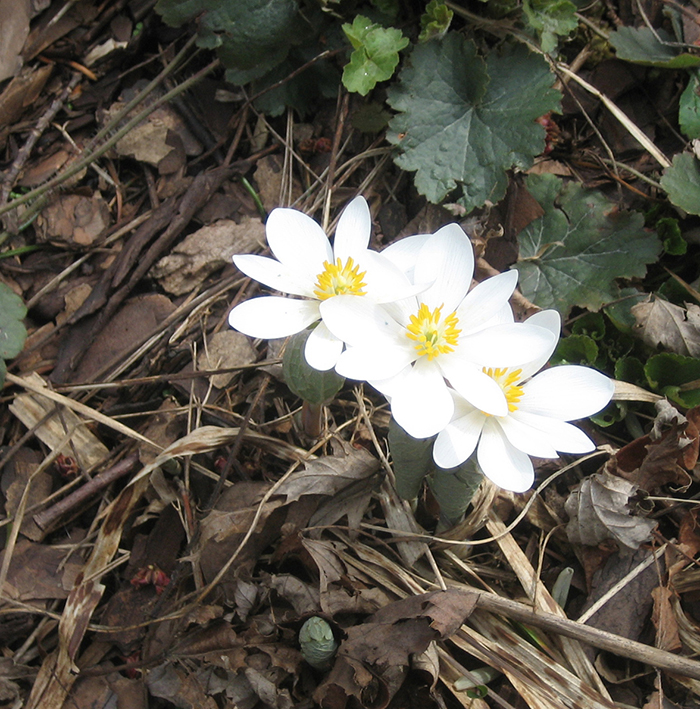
[507, 380]
[433, 337]
[339, 279]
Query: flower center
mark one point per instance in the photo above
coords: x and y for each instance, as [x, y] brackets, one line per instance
[433, 335]
[339, 279]
[507, 380]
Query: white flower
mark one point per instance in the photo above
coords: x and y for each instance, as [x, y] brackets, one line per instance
[535, 423]
[408, 349]
[307, 266]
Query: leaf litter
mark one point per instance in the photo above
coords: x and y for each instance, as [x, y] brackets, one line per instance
[170, 527]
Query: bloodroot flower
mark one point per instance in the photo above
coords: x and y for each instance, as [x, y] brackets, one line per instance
[410, 349]
[536, 422]
[306, 265]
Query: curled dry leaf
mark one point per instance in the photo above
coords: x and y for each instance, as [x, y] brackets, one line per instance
[599, 509]
[674, 328]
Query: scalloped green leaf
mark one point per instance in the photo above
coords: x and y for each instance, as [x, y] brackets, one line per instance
[682, 182]
[551, 19]
[12, 330]
[575, 349]
[667, 373]
[574, 252]
[464, 122]
[306, 382]
[641, 46]
[435, 21]
[375, 56]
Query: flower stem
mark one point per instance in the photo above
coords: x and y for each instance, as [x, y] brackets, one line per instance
[312, 419]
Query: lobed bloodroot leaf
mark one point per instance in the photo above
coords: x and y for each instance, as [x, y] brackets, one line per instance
[412, 460]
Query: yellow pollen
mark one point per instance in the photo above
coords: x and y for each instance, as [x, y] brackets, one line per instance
[339, 279]
[507, 380]
[433, 336]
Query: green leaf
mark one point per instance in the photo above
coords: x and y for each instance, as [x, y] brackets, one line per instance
[454, 489]
[682, 182]
[12, 330]
[666, 373]
[302, 92]
[435, 21]
[464, 122]
[3, 372]
[370, 118]
[575, 349]
[552, 19]
[412, 459]
[375, 57]
[670, 234]
[591, 324]
[306, 382]
[689, 107]
[620, 312]
[630, 369]
[317, 642]
[573, 254]
[641, 46]
[250, 36]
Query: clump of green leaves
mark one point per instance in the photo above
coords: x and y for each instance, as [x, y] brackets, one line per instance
[12, 330]
[375, 56]
[435, 22]
[551, 19]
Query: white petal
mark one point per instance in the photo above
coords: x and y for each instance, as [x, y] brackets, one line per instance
[322, 348]
[549, 320]
[353, 230]
[298, 242]
[271, 316]
[507, 345]
[404, 252]
[563, 436]
[486, 302]
[526, 438]
[457, 441]
[386, 283]
[476, 387]
[567, 393]
[274, 274]
[422, 406]
[358, 321]
[501, 462]
[370, 364]
[447, 261]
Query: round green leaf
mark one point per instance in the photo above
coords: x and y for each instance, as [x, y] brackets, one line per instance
[454, 489]
[306, 382]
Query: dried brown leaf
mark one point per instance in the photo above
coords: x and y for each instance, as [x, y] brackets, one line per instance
[674, 328]
[205, 251]
[599, 509]
[330, 475]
